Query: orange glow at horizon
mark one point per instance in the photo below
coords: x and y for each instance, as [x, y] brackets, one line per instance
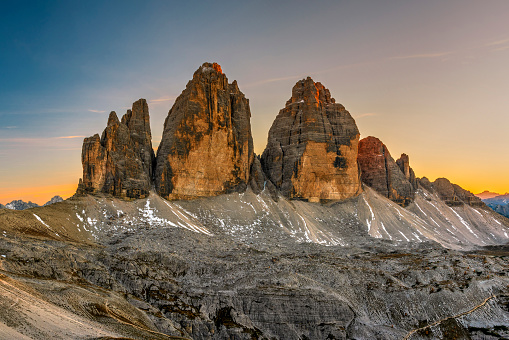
[39, 195]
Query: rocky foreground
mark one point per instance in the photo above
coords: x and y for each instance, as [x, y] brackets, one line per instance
[242, 266]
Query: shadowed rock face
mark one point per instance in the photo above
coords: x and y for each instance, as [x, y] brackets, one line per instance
[207, 147]
[380, 171]
[120, 162]
[312, 146]
[404, 164]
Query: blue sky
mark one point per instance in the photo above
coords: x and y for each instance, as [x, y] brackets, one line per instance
[429, 78]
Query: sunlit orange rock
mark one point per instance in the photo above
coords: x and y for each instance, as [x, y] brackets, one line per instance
[312, 147]
[207, 147]
[120, 162]
[380, 171]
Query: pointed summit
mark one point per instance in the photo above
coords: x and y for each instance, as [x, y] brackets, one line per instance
[120, 162]
[206, 148]
[312, 146]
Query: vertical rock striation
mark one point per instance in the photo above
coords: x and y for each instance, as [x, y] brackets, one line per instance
[380, 171]
[120, 162]
[207, 147]
[312, 147]
[404, 164]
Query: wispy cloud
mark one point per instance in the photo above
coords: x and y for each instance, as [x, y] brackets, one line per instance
[498, 42]
[96, 111]
[423, 55]
[36, 140]
[162, 99]
[10, 127]
[69, 137]
[369, 114]
[272, 80]
[503, 48]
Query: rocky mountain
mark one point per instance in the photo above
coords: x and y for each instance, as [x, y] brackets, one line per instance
[54, 199]
[404, 165]
[451, 194]
[312, 147]
[289, 245]
[499, 204]
[120, 162]
[20, 205]
[380, 171]
[487, 194]
[500, 200]
[206, 148]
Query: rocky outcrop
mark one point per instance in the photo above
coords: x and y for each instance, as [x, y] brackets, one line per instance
[312, 147]
[380, 171]
[53, 200]
[120, 162]
[20, 205]
[404, 164]
[451, 194]
[207, 147]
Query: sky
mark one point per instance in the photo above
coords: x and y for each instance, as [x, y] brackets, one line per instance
[428, 78]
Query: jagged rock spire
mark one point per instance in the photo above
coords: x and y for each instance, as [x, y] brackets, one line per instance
[120, 162]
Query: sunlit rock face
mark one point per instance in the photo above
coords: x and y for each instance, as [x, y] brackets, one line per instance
[380, 171]
[120, 162]
[207, 147]
[451, 194]
[312, 147]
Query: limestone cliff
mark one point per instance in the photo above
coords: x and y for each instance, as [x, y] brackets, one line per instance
[120, 162]
[451, 194]
[207, 147]
[380, 171]
[404, 164]
[312, 147]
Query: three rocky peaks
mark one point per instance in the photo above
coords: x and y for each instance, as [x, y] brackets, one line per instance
[313, 151]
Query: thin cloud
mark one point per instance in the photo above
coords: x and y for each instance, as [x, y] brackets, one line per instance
[69, 137]
[36, 140]
[501, 48]
[10, 127]
[498, 42]
[369, 114]
[96, 111]
[304, 75]
[423, 55]
[272, 80]
[162, 99]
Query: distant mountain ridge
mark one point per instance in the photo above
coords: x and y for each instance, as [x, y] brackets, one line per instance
[487, 194]
[499, 204]
[22, 205]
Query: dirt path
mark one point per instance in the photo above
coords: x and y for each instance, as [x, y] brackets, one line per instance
[450, 317]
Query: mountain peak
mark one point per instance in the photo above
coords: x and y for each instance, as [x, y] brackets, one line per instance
[312, 146]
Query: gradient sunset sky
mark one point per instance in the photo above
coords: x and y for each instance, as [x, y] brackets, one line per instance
[429, 78]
